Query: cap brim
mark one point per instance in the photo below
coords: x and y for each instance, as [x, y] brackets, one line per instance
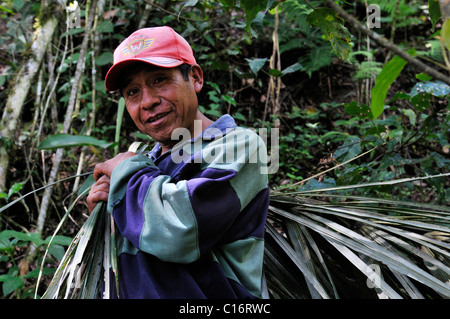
[115, 75]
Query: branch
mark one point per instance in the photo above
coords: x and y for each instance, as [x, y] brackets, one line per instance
[66, 126]
[388, 44]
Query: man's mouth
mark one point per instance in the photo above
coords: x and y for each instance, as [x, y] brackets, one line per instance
[157, 117]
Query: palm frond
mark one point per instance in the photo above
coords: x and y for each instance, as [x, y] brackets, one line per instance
[361, 247]
[318, 245]
[79, 275]
[84, 271]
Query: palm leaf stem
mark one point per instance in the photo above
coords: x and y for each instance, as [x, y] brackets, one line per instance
[42, 188]
[391, 182]
[293, 198]
[53, 236]
[330, 169]
[337, 233]
[298, 262]
[423, 240]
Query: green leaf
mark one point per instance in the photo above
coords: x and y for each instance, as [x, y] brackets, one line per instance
[410, 114]
[190, 3]
[57, 251]
[423, 77]
[35, 272]
[104, 59]
[213, 97]
[252, 8]
[14, 189]
[445, 33]
[421, 101]
[100, 86]
[383, 82]
[315, 184]
[256, 64]
[11, 284]
[350, 149]
[105, 26]
[292, 68]
[5, 244]
[67, 140]
[2, 8]
[240, 116]
[435, 12]
[227, 3]
[60, 240]
[214, 113]
[361, 111]
[275, 72]
[229, 100]
[21, 236]
[214, 86]
[18, 4]
[334, 29]
[437, 88]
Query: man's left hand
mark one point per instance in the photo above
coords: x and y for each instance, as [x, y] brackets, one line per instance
[107, 167]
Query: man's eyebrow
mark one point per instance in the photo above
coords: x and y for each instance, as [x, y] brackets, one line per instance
[156, 70]
[126, 82]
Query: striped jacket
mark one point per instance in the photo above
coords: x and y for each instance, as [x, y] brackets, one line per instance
[191, 221]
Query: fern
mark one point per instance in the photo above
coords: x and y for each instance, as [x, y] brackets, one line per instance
[296, 10]
[367, 70]
[435, 51]
[293, 43]
[303, 36]
[318, 57]
[388, 5]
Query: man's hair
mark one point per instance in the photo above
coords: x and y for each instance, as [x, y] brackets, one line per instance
[185, 69]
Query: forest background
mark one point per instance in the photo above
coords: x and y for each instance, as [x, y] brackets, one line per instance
[349, 110]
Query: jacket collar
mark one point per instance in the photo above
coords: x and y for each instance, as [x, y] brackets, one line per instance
[219, 128]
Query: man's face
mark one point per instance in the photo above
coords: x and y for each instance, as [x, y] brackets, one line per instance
[160, 100]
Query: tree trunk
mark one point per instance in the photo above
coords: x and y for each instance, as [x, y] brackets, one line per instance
[66, 127]
[382, 41]
[68, 118]
[19, 92]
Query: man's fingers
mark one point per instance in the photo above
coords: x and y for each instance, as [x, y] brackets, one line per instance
[107, 167]
[98, 171]
[99, 192]
[102, 185]
[104, 179]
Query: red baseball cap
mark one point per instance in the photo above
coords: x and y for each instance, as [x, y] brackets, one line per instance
[160, 46]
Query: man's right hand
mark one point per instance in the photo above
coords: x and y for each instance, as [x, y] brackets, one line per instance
[99, 192]
[102, 172]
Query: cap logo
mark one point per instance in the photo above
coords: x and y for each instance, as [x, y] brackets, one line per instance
[137, 46]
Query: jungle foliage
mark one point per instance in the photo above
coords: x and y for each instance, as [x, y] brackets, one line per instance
[363, 154]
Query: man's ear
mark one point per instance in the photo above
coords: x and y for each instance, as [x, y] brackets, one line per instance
[197, 76]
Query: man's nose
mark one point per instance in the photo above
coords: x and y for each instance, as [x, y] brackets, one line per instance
[150, 98]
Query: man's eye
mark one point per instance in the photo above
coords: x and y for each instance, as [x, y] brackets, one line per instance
[160, 79]
[132, 92]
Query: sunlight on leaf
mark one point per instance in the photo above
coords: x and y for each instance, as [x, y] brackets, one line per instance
[67, 140]
[383, 82]
[334, 29]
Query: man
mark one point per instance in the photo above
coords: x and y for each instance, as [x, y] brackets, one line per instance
[191, 213]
